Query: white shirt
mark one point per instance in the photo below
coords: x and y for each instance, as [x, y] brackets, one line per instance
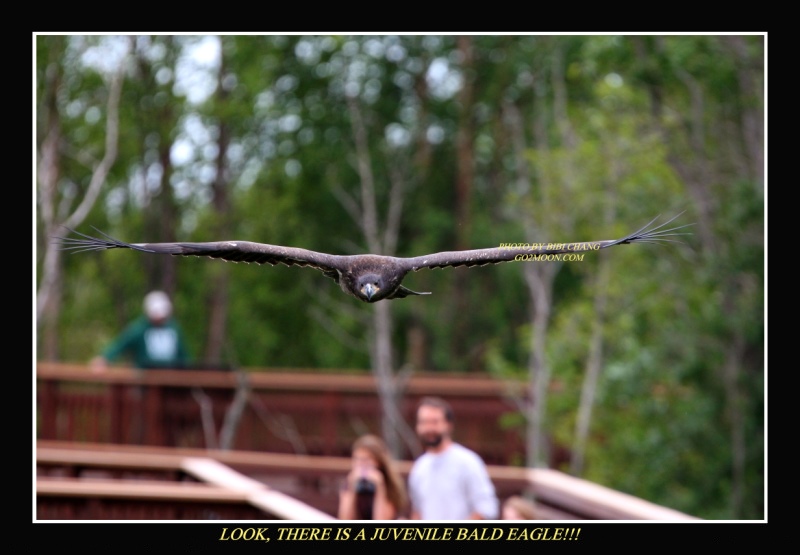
[452, 485]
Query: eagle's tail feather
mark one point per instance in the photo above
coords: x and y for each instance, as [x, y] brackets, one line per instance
[403, 292]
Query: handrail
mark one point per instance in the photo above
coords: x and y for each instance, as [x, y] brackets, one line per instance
[604, 503]
[140, 489]
[299, 379]
[219, 482]
[552, 488]
[301, 411]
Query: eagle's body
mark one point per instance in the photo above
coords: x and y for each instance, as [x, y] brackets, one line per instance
[368, 277]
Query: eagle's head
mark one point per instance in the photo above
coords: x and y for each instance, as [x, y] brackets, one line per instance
[370, 288]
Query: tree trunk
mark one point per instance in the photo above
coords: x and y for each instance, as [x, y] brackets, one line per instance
[49, 293]
[752, 116]
[594, 365]
[734, 411]
[381, 351]
[219, 303]
[396, 432]
[465, 175]
[539, 278]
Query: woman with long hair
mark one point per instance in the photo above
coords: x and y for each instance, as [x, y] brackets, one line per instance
[373, 489]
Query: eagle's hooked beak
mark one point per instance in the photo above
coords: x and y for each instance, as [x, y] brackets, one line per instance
[370, 290]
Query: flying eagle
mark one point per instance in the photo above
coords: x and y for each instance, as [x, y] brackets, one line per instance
[370, 277]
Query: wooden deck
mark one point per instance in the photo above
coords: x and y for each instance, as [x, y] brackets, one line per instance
[144, 445]
[96, 481]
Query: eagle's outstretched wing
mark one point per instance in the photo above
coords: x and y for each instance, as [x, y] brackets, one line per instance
[368, 277]
[231, 251]
[514, 251]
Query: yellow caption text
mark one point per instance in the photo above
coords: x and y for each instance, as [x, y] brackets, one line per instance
[548, 258]
[405, 533]
[564, 247]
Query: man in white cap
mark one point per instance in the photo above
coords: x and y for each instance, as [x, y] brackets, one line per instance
[154, 340]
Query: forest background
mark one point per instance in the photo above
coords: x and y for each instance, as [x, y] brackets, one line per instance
[648, 361]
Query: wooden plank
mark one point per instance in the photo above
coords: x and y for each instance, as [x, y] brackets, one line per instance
[346, 381]
[108, 459]
[257, 493]
[204, 469]
[584, 497]
[286, 507]
[155, 490]
[213, 472]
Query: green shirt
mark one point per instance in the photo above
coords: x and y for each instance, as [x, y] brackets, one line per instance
[150, 345]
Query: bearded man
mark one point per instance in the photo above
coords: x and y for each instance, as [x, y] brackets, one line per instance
[448, 481]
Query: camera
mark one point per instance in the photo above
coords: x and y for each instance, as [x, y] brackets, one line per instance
[365, 486]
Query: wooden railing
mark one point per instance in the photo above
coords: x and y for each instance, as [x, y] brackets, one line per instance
[100, 481]
[94, 483]
[294, 433]
[287, 411]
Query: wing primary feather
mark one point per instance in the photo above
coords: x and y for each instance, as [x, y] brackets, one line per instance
[89, 243]
[654, 235]
[230, 251]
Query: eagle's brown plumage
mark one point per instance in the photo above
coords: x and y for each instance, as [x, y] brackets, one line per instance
[367, 277]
